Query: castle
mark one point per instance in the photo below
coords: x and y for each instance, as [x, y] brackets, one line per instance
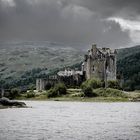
[99, 63]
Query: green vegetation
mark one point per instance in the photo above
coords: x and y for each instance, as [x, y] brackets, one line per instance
[88, 92]
[93, 83]
[14, 93]
[102, 95]
[75, 93]
[56, 91]
[113, 84]
[89, 85]
[22, 62]
[60, 93]
[109, 92]
[129, 67]
[48, 86]
[30, 94]
[87, 99]
[92, 90]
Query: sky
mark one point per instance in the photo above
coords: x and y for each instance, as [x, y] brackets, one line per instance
[108, 23]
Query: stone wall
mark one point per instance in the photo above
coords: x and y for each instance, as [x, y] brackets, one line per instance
[100, 63]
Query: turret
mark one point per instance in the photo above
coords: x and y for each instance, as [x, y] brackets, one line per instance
[94, 50]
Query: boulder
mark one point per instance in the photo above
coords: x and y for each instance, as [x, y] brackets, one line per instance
[6, 102]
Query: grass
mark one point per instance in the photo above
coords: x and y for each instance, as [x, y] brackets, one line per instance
[104, 95]
[109, 92]
[93, 99]
[79, 99]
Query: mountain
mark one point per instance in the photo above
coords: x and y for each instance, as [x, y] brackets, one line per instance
[15, 58]
[22, 62]
[129, 65]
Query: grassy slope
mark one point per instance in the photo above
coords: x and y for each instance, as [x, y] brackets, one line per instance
[18, 57]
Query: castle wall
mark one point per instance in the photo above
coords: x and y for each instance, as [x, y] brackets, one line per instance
[100, 64]
[111, 69]
[88, 68]
[98, 69]
[40, 84]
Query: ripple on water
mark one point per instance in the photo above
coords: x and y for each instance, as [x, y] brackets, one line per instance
[71, 121]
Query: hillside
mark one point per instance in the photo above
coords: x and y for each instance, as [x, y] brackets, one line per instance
[129, 65]
[24, 60]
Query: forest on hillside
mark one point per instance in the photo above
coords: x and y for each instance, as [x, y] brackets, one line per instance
[128, 65]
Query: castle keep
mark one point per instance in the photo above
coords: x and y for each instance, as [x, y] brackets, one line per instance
[99, 63]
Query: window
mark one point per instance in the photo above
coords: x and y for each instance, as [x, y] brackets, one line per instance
[93, 68]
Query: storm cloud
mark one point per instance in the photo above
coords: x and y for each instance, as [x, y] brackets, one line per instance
[67, 21]
[107, 8]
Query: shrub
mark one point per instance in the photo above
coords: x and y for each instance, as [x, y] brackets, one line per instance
[58, 90]
[52, 93]
[88, 92]
[128, 86]
[14, 93]
[48, 86]
[109, 92]
[113, 84]
[137, 87]
[30, 95]
[93, 83]
[31, 87]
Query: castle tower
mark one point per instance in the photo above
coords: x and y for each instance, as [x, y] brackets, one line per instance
[40, 84]
[100, 63]
[89, 63]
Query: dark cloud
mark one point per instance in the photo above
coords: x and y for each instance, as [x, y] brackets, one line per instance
[73, 21]
[107, 8]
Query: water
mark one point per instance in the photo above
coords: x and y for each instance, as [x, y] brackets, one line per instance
[71, 121]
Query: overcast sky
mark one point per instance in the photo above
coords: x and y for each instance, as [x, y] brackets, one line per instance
[109, 23]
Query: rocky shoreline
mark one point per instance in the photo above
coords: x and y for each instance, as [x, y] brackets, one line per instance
[6, 103]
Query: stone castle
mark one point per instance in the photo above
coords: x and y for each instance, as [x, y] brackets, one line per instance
[99, 63]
